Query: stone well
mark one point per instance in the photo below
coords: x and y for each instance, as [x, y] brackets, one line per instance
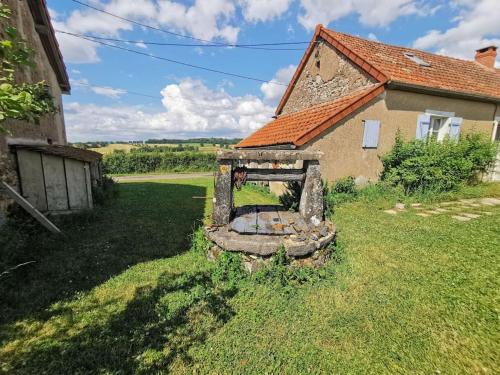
[258, 231]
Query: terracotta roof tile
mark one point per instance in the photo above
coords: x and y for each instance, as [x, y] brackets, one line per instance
[444, 73]
[299, 127]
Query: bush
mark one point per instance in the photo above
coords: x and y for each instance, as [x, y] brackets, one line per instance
[146, 162]
[104, 191]
[420, 166]
[342, 190]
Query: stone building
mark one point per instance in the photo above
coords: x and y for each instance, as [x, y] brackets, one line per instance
[32, 20]
[349, 97]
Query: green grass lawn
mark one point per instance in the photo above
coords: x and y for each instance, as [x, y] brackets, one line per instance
[121, 293]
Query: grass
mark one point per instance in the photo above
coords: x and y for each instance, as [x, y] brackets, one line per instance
[121, 293]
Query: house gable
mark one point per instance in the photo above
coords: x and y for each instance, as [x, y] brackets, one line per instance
[326, 75]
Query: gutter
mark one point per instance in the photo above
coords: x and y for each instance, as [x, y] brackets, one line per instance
[395, 85]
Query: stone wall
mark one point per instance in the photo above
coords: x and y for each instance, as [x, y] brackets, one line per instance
[326, 75]
[50, 126]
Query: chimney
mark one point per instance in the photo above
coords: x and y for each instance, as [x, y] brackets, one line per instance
[486, 56]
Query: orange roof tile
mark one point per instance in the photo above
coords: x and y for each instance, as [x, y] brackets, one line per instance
[386, 64]
[299, 127]
[444, 73]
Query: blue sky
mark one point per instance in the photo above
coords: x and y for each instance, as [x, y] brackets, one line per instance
[187, 102]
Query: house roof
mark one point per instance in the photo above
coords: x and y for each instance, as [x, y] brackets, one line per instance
[61, 151]
[390, 67]
[298, 128]
[388, 63]
[44, 28]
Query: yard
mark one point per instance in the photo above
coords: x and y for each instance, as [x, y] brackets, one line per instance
[122, 293]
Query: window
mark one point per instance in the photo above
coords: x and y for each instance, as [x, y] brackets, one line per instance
[496, 132]
[440, 127]
[417, 60]
[371, 133]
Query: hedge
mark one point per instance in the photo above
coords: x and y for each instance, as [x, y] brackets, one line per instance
[429, 165]
[120, 162]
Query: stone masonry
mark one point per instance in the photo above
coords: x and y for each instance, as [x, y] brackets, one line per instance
[327, 75]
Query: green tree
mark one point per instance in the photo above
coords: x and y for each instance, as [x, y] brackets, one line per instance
[21, 101]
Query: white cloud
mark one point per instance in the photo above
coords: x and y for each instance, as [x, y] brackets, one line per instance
[272, 92]
[371, 12]
[107, 91]
[190, 109]
[263, 10]
[207, 20]
[476, 27]
[373, 37]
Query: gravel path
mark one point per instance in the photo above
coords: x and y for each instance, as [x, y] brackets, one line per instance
[168, 176]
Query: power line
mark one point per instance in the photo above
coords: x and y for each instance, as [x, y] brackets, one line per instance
[178, 34]
[250, 46]
[180, 62]
[122, 91]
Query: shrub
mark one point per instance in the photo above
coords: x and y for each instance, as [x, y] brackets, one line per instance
[104, 191]
[146, 162]
[437, 166]
[342, 190]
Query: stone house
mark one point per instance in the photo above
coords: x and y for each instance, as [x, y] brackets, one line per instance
[349, 96]
[44, 166]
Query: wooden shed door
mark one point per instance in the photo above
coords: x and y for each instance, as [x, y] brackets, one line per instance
[77, 184]
[55, 183]
[32, 180]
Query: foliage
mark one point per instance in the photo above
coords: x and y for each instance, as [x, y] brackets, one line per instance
[147, 162]
[199, 242]
[19, 101]
[213, 141]
[291, 198]
[229, 269]
[437, 166]
[341, 191]
[119, 294]
[104, 191]
[178, 148]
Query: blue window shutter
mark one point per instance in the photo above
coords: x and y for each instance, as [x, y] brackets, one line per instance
[423, 124]
[455, 125]
[371, 132]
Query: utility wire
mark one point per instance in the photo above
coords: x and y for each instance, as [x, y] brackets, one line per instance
[250, 46]
[122, 91]
[181, 62]
[213, 44]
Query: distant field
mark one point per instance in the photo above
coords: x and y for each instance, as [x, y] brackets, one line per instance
[127, 147]
[110, 148]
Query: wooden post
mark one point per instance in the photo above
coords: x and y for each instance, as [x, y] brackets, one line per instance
[311, 201]
[223, 195]
[30, 208]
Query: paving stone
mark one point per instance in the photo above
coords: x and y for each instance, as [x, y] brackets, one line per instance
[461, 218]
[432, 212]
[490, 201]
[442, 210]
[423, 214]
[392, 212]
[399, 206]
[448, 203]
[469, 215]
[415, 205]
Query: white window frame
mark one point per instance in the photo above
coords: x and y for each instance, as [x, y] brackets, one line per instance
[496, 129]
[444, 129]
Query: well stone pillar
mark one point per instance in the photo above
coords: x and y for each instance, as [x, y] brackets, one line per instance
[223, 194]
[311, 200]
